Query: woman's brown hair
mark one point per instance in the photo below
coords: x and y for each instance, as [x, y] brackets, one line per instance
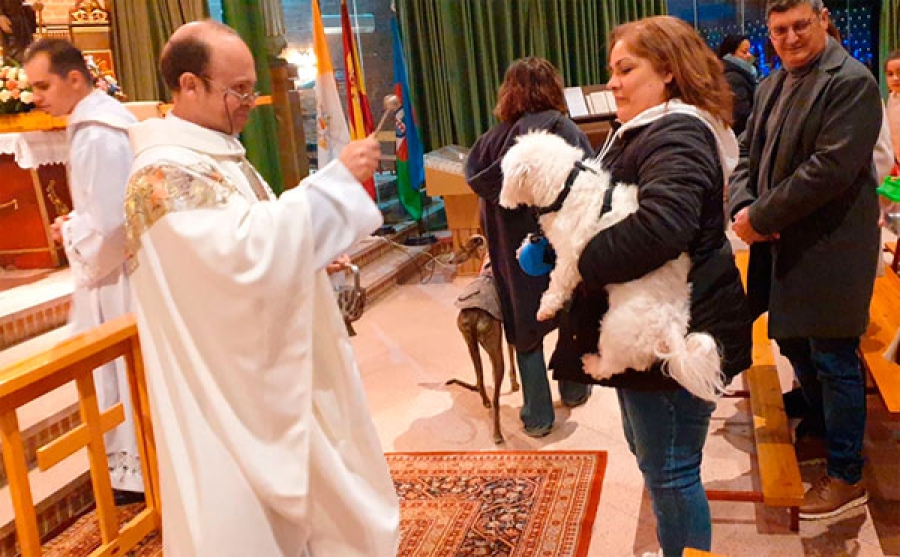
[530, 85]
[672, 46]
[894, 55]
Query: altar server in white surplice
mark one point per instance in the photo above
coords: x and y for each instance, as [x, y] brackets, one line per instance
[93, 234]
[264, 438]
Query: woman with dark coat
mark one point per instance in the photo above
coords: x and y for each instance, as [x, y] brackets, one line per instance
[674, 144]
[530, 98]
[741, 75]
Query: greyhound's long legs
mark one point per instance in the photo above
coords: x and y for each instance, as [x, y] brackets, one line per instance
[492, 341]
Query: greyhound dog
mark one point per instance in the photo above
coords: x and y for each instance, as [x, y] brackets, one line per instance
[481, 323]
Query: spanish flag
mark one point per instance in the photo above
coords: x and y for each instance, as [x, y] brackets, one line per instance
[331, 126]
[359, 114]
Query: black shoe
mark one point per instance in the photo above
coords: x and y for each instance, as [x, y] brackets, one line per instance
[538, 431]
[795, 405]
[123, 497]
[576, 403]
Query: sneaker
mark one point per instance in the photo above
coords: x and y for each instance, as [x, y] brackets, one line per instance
[811, 450]
[538, 431]
[830, 497]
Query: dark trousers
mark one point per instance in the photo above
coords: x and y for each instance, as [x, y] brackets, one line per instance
[831, 377]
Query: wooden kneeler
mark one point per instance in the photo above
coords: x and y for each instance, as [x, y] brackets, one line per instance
[75, 360]
[884, 321]
[779, 472]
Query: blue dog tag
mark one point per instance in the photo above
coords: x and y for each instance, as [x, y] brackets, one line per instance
[537, 258]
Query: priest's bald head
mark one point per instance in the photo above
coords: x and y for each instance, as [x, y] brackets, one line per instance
[211, 87]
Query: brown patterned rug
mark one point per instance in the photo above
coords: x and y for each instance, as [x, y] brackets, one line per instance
[83, 536]
[456, 504]
[497, 503]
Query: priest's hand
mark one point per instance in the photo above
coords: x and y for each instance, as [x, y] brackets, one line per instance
[56, 228]
[361, 157]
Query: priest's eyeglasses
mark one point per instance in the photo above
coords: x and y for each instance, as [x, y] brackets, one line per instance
[800, 28]
[242, 98]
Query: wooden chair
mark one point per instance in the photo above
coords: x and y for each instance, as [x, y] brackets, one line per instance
[74, 361]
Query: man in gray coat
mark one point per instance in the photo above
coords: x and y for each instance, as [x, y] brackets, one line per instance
[803, 196]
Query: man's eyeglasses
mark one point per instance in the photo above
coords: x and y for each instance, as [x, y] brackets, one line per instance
[243, 98]
[800, 28]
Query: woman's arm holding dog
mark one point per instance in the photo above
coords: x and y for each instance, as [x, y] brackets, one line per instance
[677, 166]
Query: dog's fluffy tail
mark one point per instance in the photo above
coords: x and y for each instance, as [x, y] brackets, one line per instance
[694, 362]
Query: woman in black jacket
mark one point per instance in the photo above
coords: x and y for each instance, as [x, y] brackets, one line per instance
[674, 143]
[741, 75]
[530, 98]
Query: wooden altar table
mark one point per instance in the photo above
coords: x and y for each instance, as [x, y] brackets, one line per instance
[33, 192]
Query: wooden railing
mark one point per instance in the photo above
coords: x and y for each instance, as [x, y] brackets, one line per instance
[75, 360]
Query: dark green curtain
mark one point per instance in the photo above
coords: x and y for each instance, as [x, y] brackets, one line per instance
[888, 36]
[458, 51]
[140, 28]
[260, 136]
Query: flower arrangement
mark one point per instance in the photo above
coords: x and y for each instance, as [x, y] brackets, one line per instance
[15, 91]
[103, 79]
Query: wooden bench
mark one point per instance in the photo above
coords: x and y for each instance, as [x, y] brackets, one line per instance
[779, 472]
[884, 321]
[74, 361]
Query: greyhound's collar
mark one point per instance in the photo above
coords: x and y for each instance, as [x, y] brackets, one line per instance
[567, 188]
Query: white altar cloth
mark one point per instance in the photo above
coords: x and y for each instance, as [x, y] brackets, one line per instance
[33, 149]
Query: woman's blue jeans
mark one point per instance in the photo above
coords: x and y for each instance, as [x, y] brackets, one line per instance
[537, 405]
[834, 386]
[666, 431]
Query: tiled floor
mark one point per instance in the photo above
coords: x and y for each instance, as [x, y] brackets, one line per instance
[408, 346]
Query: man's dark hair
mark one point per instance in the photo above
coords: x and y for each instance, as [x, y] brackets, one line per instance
[189, 54]
[64, 58]
[730, 44]
[779, 6]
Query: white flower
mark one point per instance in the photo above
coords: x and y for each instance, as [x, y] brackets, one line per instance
[27, 97]
[23, 77]
[5, 95]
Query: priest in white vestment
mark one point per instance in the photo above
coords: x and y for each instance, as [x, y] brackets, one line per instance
[93, 233]
[263, 434]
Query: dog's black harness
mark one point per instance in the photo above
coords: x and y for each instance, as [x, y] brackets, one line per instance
[549, 257]
[567, 188]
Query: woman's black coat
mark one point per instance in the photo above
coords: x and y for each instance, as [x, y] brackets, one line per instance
[675, 163]
[520, 294]
[743, 85]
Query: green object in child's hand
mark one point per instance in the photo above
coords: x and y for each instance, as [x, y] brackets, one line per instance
[890, 188]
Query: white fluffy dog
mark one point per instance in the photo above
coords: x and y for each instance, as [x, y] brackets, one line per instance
[647, 318]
